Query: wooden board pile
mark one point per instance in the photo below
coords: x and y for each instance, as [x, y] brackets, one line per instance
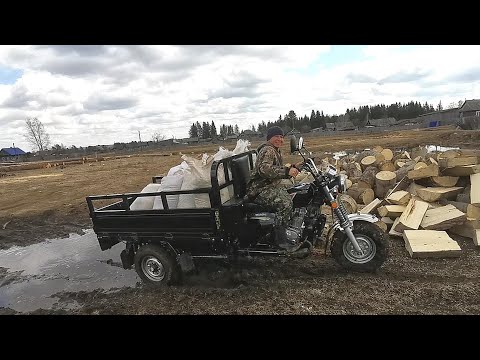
[418, 195]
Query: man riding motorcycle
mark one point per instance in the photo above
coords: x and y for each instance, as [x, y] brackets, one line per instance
[264, 187]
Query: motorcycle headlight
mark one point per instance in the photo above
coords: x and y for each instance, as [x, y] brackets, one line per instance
[331, 170]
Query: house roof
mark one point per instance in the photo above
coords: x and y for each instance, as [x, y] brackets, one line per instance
[13, 151]
[442, 111]
[470, 105]
[381, 122]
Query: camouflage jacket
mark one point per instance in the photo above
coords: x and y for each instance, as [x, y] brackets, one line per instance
[269, 170]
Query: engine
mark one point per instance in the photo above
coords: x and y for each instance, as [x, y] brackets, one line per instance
[295, 229]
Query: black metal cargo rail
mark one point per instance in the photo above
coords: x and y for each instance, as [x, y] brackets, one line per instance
[118, 218]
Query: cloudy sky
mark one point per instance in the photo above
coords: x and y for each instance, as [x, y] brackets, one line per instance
[90, 95]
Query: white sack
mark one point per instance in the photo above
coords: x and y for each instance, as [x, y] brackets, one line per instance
[145, 202]
[170, 183]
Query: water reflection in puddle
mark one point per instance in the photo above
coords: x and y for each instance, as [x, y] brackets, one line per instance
[72, 264]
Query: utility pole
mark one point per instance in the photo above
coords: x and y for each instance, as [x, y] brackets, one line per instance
[139, 138]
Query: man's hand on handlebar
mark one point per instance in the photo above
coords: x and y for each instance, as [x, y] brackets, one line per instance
[299, 165]
[293, 172]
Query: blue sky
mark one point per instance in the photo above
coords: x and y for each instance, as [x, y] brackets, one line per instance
[9, 75]
[90, 95]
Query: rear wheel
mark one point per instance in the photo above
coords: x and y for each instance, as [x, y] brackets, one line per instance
[156, 266]
[372, 240]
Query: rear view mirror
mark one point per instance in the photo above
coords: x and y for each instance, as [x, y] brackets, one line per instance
[293, 144]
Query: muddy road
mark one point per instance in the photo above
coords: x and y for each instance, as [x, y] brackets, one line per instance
[50, 261]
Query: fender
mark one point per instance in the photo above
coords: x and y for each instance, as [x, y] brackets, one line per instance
[353, 217]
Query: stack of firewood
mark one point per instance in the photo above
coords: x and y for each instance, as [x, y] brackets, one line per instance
[418, 195]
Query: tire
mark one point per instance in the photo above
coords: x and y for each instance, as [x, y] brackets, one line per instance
[370, 238]
[156, 266]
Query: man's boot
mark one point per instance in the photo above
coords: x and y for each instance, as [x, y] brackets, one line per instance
[283, 241]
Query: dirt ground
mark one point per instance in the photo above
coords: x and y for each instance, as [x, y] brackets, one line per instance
[46, 203]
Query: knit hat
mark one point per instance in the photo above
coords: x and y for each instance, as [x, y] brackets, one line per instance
[274, 130]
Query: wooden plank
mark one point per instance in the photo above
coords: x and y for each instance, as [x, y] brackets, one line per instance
[430, 243]
[372, 206]
[429, 171]
[457, 161]
[401, 197]
[392, 211]
[475, 189]
[464, 170]
[431, 194]
[443, 218]
[412, 216]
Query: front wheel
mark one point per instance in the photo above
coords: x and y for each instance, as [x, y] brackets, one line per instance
[155, 266]
[371, 239]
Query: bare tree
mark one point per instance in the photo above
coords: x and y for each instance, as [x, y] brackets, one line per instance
[157, 137]
[36, 134]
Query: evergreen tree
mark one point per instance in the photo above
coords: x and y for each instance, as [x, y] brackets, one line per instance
[206, 130]
[193, 133]
[199, 130]
[439, 106]
[213, 130]
[223, 131]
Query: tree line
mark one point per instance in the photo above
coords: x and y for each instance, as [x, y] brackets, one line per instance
[317, 119]
[208, 131]
[39, 138]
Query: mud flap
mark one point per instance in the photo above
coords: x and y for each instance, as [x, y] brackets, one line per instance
[127, 259]
[186, 262]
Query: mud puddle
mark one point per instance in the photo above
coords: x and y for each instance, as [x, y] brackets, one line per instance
[31, 276]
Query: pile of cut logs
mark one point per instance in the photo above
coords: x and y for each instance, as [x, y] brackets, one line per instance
[418, 195]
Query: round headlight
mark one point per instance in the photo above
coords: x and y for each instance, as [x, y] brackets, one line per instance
[331, 170]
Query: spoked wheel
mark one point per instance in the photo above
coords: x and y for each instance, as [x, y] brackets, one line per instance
[156, 266]
[372, 240]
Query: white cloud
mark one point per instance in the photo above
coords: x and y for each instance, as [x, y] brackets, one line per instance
[87, 95]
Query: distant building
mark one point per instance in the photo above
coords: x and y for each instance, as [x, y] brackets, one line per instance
[469, 114]
[469, 108]
[12, 154]
[189, 140]
[439, 118]
[330, 127]
[346, 126]
[248, 134]
[388, 121]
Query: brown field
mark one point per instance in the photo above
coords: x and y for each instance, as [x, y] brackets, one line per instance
[45, 203]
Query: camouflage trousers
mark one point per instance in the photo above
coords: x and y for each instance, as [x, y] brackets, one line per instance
[280, 200]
